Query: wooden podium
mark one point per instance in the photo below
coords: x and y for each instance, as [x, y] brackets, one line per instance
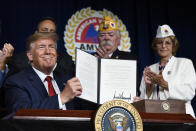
[163, 111]
[153, 118]
[168, 111]
[149, 110]
[161, 106]
[38, 114]
[74, 120]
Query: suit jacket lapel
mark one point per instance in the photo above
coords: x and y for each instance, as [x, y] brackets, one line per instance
[36, 82]
[115, 54]
[168, 69]
[59, 80]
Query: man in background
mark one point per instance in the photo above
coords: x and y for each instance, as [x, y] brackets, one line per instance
[109, 40]
[19, 61]
[5, 53]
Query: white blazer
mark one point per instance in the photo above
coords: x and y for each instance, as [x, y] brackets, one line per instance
[181, 78]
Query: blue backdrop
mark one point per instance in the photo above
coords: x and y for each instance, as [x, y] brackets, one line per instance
[18, 19]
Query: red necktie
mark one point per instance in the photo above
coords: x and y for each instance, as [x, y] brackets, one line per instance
[51, 90]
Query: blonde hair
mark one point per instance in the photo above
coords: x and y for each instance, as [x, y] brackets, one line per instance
[40, 35]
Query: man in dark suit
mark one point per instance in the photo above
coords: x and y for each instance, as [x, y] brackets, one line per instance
[109, 39]
[19, 61]
[39, 86]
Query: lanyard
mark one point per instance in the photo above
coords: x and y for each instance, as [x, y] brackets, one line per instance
[161, 68]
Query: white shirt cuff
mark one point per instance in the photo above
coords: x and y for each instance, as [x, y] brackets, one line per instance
[61, 106]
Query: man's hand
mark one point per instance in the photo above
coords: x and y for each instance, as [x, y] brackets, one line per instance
[72, 88]
[102, 53]
[5, 53]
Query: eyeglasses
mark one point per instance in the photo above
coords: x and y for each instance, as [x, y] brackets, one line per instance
[166, 43]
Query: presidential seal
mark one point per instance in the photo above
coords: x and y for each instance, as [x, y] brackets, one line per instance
[165, 106]
[118, 115]
[82, 29]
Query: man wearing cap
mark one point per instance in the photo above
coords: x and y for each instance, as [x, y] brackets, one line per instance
[109, 40]
[171, 77]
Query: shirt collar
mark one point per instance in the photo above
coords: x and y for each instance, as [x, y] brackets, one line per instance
[161, 68]
[110, 55]
[41, 75]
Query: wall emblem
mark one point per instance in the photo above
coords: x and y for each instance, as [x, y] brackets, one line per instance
[82, 29]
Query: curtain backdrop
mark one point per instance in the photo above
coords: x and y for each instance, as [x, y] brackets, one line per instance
[18, 20]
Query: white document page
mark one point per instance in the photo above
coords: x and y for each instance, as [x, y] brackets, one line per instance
[118, 80]
[86, 72]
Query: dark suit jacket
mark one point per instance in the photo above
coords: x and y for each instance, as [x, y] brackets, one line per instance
[26, 90]
[123, 55]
